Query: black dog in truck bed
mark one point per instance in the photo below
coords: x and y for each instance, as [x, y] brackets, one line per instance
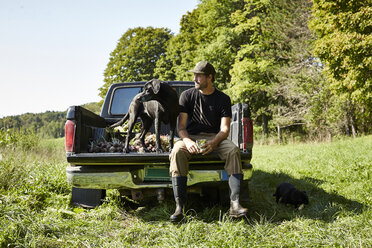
[157, 103]
[287, 193]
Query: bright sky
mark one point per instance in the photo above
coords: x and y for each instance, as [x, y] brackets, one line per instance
[53, 53]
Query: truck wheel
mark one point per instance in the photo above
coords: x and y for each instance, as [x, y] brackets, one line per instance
[244, 192]
[224, 196]
[210, 195]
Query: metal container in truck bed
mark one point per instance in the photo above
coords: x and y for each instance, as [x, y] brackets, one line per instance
[138, 175]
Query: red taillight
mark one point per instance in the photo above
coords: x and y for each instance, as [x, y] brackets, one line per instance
[70, 136]
[248, 133]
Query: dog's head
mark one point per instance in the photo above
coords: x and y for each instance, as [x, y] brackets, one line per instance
[300, 197]
[151, 90]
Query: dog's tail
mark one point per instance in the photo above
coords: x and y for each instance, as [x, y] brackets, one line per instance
[121, 122]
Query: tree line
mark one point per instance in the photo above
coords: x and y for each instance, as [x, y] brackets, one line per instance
[303, 66]
[50, 124]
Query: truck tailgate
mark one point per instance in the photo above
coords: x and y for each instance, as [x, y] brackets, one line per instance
[134, 158]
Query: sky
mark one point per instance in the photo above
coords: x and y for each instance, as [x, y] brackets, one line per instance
[53, 53]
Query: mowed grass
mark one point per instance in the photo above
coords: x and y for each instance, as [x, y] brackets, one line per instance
[35, 208]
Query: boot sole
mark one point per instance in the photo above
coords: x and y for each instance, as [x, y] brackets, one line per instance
[176, 219]
[237, 215]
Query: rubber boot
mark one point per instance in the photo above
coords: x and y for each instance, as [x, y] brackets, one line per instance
[236, 210]
[179, 185]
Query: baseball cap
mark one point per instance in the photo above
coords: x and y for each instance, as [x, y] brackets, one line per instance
[204, 67]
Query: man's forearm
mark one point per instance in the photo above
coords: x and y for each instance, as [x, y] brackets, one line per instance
[183, 134]
[219, 137]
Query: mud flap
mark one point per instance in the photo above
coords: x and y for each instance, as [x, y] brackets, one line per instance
[87, 198]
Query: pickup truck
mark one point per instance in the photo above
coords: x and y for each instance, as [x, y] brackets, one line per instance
[141, 176]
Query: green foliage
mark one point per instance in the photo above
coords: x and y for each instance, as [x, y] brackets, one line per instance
[35, 209]
[30, 183]
[275, 62]
[93, 107]
[261, 50]
[344, 45]
[24, 140]
[49, 124]
[266, 55]
[205, 34]
[135, 56]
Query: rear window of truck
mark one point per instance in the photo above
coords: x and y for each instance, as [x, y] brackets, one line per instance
[122, 99]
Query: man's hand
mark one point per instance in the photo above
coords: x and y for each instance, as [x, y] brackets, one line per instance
[208, 147]
[191, 146]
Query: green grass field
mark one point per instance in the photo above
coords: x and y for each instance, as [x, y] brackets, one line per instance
[35, 208]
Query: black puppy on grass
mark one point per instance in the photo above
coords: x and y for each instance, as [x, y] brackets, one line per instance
[287, 193]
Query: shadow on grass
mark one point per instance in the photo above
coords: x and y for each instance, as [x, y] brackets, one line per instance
[323, 205]
[197, 208]
[261, 205]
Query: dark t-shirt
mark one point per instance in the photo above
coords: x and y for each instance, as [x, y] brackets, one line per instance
[204, 111]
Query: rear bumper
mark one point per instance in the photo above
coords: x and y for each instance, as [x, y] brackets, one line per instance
[118, 177]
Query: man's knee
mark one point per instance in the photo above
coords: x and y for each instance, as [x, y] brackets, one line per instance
[179, 160]
[234, 150]
[231, 151]
[179, 149]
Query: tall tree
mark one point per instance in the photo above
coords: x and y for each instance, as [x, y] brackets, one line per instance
[274, 61]
[253, 68]
[344, 45]
[205, 34]
[135, 56]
